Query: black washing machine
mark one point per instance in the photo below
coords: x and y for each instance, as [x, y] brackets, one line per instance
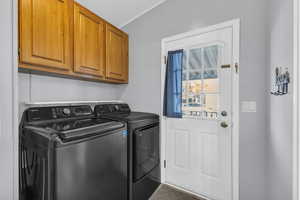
[66, 153]
[143, 148]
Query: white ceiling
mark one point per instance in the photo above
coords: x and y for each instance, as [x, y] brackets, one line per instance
[120, 12]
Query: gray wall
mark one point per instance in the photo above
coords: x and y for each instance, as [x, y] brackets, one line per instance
[6, 103]
[177, 16]
[37, 88]
[280, 108]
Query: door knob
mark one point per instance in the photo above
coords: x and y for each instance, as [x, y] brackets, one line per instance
[224, 125]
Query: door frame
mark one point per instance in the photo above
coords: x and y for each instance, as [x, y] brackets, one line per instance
[235, 25]
[9, 116]
[15, 81]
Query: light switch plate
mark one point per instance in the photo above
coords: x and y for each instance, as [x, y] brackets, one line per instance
[248, 106]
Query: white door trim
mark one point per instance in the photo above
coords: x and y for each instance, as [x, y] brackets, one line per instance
[296, 103]
[9, 114]
[235, 24]
[15, 61]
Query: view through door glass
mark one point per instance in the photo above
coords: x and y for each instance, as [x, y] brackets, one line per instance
[200, 85]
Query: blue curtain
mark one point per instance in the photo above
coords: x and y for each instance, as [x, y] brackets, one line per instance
[173, 85]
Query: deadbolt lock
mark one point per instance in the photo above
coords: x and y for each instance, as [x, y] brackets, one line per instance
[224, 113]
[224, 125]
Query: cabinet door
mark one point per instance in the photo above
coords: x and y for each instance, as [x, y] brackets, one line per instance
[46, 33]
[116, 54]
[89, 42]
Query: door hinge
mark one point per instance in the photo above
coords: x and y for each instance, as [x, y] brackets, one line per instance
[165, 164]
[19, 51]
[165, 60]
[236, 66]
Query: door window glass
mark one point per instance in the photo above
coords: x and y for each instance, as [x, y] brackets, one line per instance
[200, 84]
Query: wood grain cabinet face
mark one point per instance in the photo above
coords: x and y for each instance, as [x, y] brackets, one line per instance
[89, 44]
[61, 37]
[116, 54]
[46, 33]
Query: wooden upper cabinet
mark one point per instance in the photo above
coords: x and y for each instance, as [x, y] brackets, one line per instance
[89, 44]
[46, 33]
[116, 54]
[63, 37]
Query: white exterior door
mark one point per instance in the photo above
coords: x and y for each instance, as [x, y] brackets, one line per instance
[199, 146]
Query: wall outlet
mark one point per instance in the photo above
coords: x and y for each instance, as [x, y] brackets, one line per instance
[248, 106]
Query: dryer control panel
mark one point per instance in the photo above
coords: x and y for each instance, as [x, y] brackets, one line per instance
[112, 108]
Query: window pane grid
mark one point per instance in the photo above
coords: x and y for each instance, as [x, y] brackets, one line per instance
[197, 70]
[200, 95]
[203, 94]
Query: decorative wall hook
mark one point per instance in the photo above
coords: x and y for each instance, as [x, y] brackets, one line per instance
[282, 80]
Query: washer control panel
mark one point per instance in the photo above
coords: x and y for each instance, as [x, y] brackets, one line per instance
[60, 112]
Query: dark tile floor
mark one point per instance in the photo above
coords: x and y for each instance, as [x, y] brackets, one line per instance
[165, 192]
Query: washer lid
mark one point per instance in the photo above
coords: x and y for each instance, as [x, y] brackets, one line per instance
[90, 131]
[68, 130]
[68, 125]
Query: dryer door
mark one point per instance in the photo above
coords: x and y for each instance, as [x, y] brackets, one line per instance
[145, 150]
